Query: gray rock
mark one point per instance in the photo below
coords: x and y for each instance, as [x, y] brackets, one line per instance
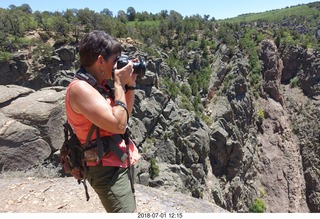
[30, 130]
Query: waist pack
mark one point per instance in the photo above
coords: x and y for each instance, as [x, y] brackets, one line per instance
[74, 155]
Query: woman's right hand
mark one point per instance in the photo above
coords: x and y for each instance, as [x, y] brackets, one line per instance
[124, 75]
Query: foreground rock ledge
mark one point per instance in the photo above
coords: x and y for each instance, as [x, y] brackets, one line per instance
[65, 195]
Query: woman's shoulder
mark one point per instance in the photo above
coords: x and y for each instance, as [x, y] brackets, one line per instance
[78, 83]
[79, 86]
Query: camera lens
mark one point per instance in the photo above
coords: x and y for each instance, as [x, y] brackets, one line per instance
[140, 67]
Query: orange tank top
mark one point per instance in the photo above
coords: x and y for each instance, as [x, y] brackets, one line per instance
[81, 125]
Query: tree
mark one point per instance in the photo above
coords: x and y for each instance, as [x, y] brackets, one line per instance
[122, 16]
[26, 8]
[12, 6]
[15, 21]
[69, 16]
[60, 26]
[206, 17]
[85, 16]
[108, 25]
[175, 20]
[44, 20]
[164, 14]
[107, 12]
[144, 16]
[90, 19]
[131, 14]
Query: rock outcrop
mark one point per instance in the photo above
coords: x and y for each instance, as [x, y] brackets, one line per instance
[30, 122]
[272, 69]
[249, 147]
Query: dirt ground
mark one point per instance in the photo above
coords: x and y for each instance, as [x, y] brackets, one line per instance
[65, 195]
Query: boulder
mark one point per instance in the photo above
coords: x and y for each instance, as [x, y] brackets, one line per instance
[30, 124]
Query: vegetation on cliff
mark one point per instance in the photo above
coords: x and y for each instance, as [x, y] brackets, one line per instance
[259, 147]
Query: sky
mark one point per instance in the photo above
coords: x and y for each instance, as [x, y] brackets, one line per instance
[218, 9]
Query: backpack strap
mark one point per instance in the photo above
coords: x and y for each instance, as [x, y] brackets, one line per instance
[99, 144]
[92, 128]
[67, 130]
[112, 142]
[85, 187]
[130, 168]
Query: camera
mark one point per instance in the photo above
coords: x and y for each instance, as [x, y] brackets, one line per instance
[139, 67]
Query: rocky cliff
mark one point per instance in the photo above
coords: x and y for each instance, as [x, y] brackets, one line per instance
[252, 147]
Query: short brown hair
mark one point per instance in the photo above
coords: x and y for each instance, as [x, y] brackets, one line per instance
[97, 43]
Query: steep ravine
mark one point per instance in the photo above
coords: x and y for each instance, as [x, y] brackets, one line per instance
[232, 162]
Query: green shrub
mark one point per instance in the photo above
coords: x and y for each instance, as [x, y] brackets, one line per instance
[45, 36]
[260, 115]
[258, 206]
[172, 87]
[5, 56]
[294, 82]
[186, 104]
[43, 52]
[153, 168]
[186, 90]
[23, 42]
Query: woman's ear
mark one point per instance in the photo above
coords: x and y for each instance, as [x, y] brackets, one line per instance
[100, 59]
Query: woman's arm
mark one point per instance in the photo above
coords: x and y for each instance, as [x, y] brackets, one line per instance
[86, 100]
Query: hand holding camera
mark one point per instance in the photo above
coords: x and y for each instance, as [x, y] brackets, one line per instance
[139, 65]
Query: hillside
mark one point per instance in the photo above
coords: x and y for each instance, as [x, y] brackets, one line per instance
[307, 11]
[228, 110]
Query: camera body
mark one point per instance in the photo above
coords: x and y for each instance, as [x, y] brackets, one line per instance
[139, 67]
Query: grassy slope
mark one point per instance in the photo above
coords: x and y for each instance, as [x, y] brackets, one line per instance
[308, 11]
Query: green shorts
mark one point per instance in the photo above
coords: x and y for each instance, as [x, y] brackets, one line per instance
[113, 187]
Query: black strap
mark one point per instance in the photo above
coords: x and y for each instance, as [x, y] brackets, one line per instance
[99, 144]
[130, 168]
[92, 128]
[112, 142]
[85, 76]
[86, 189]
[67, 130]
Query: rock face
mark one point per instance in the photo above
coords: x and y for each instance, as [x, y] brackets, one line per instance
[255, 142]
[304, 116]
[13, 71]
[304, 65]
[280, 165]
[28, 133]
[252, 147]
[272, 69]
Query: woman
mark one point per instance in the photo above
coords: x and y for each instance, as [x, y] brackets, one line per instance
[86, 106]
